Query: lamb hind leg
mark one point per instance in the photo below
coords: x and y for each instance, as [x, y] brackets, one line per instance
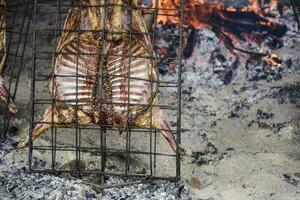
[43, 125]
[61, 117]
[160, 123]
[4, 93]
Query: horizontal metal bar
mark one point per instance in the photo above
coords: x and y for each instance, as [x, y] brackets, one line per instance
[160, 85]
[107, 5]
[112, 127]
[158, 14]
[96, 172]
[116, 128]
[12, 55]
[107, 31]
[172, 59]
[93, 54]
[108, 151]
[105, 186]
[152, 9]
[44, 78]
[16, 32]
[50, 101]
[13, 10]
[10, 11]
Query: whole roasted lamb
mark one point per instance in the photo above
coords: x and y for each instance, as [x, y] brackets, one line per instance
[108, 73]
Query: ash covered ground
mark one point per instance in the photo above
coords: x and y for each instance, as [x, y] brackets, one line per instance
[241, 132]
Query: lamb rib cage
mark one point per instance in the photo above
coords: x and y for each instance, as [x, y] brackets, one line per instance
[105, 133]
[16, 25]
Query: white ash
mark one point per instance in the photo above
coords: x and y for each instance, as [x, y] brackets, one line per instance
[17, 183]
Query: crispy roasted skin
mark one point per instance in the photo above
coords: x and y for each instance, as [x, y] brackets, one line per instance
[126, 92]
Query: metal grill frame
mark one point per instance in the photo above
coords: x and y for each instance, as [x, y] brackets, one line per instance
[15, 53]
[102, 128]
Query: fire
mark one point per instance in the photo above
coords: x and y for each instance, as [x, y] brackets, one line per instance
[252, 23]
[197, 11]
[230, 24]
[256, 5]
[273, 4]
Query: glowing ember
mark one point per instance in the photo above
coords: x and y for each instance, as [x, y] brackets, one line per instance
[273, 60]
[256, 5]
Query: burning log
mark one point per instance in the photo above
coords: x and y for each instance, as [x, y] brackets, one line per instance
[188, 50]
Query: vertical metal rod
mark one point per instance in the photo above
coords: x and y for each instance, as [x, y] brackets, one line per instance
[178, 138]
[101, 67]
[55, 43]
[155, 152]
[11, 32]
[7, 52]
[3, 19]
[103, 153]
[151, 125]
[24, 47]
[8, 115]
[76, 106]
[128, 130]
[79, 151]
[54, 129]
[32, 82]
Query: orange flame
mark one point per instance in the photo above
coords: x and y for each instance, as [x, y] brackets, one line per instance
[223, 20]
[256, 5]
[169, 10]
